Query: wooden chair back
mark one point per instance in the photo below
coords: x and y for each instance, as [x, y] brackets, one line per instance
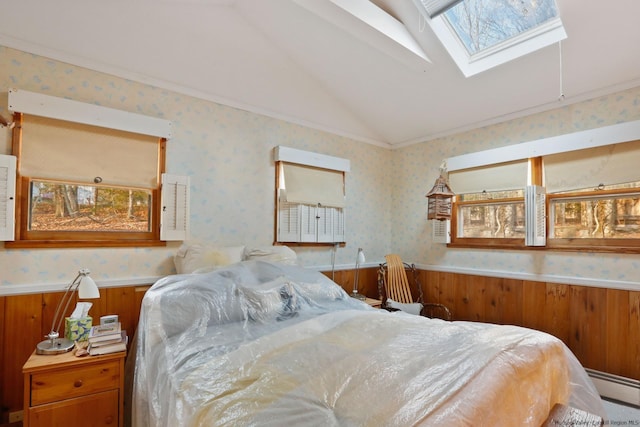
[396, 282]
[393, 283]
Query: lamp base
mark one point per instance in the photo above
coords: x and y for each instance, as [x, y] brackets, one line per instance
[356, 295]
[55, 346]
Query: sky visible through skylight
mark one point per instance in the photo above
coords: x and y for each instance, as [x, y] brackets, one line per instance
[482, 24]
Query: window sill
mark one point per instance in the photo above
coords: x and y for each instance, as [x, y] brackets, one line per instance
[32, 244]
[311, 244]
[556, 248]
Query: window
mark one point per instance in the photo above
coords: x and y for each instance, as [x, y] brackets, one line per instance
[481, 34]
[489, 204]
[483, 24]
[310, 199]
[56, 206]
[603, 214]
[496, 215]
[574, 199]
[594, 196]
[81, 184]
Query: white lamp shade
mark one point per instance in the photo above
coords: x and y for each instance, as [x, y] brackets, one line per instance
[361, 258]
[88, 288]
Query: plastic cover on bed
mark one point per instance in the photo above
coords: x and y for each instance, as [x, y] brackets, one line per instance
[259, 343]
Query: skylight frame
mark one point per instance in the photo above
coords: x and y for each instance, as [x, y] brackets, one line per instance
[545, 34]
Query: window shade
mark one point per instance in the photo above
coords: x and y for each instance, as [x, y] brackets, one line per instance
[120, 158]
[313, 186]
[582, 169]
[498, 177]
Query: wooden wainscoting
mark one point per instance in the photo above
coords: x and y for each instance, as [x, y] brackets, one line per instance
[367, 280]
[25, 319]
[601, 326]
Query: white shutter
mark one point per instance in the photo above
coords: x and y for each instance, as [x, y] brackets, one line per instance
[338, 225]
[174, 216]
[535, 225]
[7, 197]
[308, 223]
[441, 231]
[288, 222]
[325, 224]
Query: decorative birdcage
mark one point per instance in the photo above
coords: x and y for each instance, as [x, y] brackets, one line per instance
[440, 199]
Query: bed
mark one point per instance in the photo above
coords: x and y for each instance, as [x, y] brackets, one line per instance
[270, 344]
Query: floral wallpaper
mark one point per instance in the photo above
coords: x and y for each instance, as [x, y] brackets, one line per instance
[228, 155]
[227, 152]
[417, 167]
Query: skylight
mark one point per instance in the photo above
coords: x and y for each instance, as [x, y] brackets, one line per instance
[481, 34]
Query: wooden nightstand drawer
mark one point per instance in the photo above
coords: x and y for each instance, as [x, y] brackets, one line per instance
[99, 409]
[67, 383]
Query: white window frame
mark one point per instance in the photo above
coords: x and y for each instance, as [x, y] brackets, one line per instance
[548, 33]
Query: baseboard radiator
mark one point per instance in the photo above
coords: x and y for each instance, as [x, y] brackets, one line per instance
[614, 387]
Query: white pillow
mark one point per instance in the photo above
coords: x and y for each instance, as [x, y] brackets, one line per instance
[281, 254]
[412, 308]
[201, 258]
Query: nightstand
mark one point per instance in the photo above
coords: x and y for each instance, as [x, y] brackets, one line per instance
[375, 303]
[69, 391]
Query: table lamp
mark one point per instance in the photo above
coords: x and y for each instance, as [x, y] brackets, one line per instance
[87, 289]
[359, 260]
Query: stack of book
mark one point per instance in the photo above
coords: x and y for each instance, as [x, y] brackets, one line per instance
[105, 339]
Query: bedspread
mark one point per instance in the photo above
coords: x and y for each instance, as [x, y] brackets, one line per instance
[334, 361]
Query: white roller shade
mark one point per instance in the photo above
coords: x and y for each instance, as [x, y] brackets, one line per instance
[498, 177]
[587, 169]
[117, 157]
[313, 186]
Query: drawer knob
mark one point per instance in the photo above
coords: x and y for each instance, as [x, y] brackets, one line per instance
[108, 420]
[77, 383]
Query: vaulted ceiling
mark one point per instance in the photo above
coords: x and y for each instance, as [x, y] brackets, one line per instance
[313, 62]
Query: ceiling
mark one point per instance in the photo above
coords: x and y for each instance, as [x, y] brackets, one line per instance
[312, 62]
